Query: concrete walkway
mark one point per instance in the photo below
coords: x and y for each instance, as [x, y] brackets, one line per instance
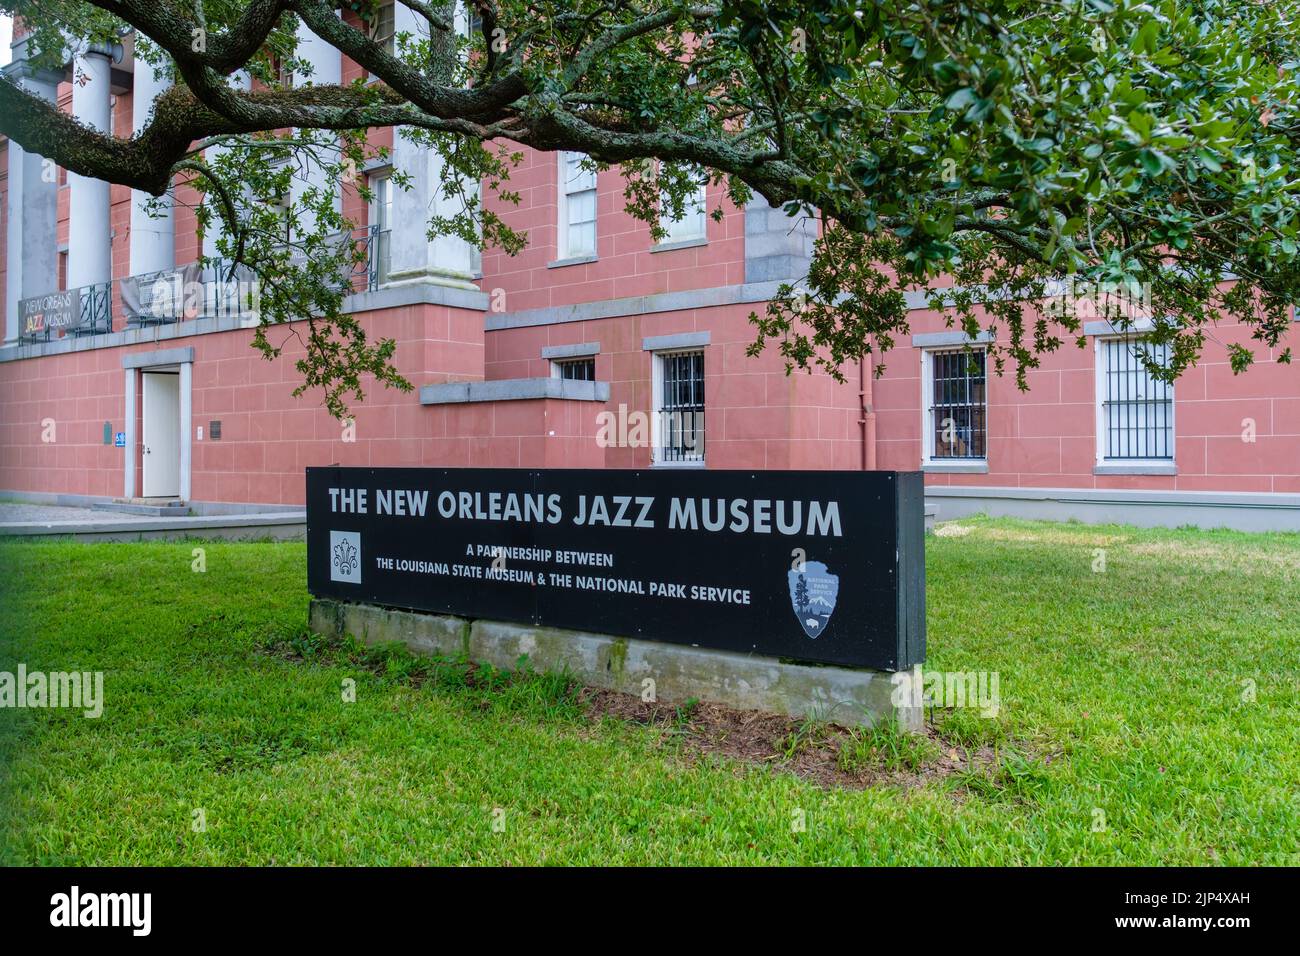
[92, 524]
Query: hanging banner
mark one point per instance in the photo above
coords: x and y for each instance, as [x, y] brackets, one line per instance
[56, 312]
[160, 297]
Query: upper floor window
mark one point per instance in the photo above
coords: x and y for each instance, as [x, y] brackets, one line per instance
[283, 72]
[282, 226]
[692, 222]
[577, 204]
[1135, 411]
[383, 28]
[381, 222]
[381, 201]
[678, 423]
[956, 405]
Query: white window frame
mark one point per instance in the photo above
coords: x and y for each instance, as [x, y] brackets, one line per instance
[672, 227]
[379, 211]
[283, 204]
[387, 43]
[928, 459]
[1130, 465]
[557, 366]
[656, 401]
[563, 227]
[283, 75]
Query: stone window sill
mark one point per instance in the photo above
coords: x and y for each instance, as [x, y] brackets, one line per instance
[955, 467]
[572, 261]
[1136, 468]
[680, 244]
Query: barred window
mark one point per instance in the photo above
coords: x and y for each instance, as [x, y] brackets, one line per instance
[577, 207]
[577, 370]
[679, 420]
[1137, 411]
[957, 412]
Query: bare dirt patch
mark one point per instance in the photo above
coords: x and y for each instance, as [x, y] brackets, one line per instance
[826, 754]
[1090, 539]
[1225, 557]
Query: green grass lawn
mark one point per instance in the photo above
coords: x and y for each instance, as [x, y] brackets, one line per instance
[1125, 700]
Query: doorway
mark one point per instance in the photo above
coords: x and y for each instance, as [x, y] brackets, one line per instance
[160, 450]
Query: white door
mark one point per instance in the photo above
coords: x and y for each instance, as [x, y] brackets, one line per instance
[161, 452]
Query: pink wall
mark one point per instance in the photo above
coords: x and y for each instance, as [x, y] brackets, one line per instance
[1046, 437]
[4, 218]
[79, 392]
[625, 267]
[268, 436]
[755, 415]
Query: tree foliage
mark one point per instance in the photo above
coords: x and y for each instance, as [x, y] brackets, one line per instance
[987, 155]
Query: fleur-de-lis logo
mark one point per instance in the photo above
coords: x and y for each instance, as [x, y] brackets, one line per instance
[345, 558]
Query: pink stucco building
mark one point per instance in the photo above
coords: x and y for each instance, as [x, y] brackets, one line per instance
[595, 347]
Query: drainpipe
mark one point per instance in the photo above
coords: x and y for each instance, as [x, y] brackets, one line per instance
[868, 419]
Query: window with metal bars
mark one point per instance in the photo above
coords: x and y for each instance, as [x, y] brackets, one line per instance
[577, 370]
[958, 406]
[680, 414]
[1137, 411]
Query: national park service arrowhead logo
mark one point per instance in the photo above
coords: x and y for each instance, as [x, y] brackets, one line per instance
[813, 591]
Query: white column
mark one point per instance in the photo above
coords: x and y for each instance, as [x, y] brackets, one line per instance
[326, 69]
[216, 227]
[31, 259]
[447, 260]
[153, 237]
[13, 243]
[187, 428]
[128, 469]
[90, 241]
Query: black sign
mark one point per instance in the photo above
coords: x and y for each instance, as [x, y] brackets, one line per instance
[810, 565]
[56, 312]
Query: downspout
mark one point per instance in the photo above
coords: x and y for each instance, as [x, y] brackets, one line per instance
[868, 419]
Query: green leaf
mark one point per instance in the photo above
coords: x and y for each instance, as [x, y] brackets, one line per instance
[960, 99]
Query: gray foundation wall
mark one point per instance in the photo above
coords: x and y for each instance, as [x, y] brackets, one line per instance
[678, 672]
[1144, 509]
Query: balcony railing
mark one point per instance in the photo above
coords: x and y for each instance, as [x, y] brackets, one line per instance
[218, 290]
[370, 272]
[230, 290]
[96, 310]
[369, 269]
